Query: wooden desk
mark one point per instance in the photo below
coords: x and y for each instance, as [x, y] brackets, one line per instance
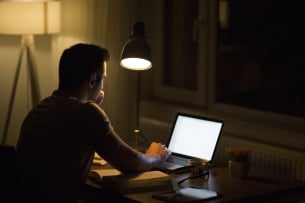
[255, 188]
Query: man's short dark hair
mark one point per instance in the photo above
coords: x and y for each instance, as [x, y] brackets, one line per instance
[78, 62]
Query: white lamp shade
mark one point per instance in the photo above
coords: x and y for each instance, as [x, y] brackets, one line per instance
[36, 17]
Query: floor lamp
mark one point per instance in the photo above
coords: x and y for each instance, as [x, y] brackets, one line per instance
[135, 56]
[27, 18]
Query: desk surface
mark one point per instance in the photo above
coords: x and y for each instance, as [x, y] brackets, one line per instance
[254, 188]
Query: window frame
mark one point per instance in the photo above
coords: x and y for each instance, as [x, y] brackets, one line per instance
[193, 97]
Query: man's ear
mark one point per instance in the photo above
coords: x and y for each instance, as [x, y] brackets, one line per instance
[92, 80]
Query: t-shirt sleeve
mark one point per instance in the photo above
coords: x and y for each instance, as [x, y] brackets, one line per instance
[108, 144]
[97, 121]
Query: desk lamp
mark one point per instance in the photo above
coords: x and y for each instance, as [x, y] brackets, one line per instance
[27, 18]
[135, 56]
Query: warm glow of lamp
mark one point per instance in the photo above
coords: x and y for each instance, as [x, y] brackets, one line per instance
[136, 63]
[136, 51]
[27, 18]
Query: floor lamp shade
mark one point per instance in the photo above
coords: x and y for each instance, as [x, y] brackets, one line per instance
[29, 17]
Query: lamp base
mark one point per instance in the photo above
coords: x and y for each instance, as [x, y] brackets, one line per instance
[140, 141]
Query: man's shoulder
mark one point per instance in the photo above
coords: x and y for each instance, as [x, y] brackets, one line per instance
[94, 108]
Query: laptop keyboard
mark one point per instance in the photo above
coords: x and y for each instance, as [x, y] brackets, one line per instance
[178, 160]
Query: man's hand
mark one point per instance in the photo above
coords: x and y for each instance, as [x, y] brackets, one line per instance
[157, 149]
[99, 98]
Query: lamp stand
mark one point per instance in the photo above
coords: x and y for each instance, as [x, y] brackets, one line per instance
[137, 131]
[27, 45]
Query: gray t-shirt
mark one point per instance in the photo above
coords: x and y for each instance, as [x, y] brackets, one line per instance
[56, 146]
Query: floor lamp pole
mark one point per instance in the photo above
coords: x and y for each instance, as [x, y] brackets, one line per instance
[27, 44]
[32, 68]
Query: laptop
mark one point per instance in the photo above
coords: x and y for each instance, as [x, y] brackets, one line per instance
[192, 138]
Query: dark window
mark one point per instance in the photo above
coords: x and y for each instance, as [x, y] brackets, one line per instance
[261, 55]
[180, 43]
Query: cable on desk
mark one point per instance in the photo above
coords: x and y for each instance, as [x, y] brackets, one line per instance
[204, 174]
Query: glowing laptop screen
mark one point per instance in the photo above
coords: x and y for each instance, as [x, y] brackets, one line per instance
[195, 136]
